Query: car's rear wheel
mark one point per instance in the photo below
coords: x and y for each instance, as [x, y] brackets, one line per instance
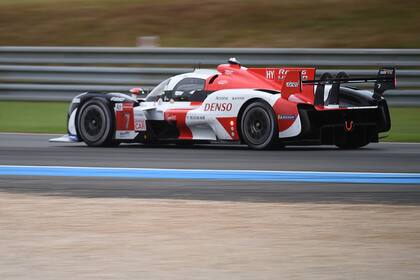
[259, 126]
[96, 124]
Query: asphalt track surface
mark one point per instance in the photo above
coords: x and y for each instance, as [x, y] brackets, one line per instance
[20, 149]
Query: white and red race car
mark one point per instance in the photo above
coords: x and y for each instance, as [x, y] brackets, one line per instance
[260, 107]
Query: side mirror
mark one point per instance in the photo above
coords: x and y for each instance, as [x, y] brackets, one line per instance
[137, 91]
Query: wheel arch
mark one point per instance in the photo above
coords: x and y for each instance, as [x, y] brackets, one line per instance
[87, 97]
[241, 112]
[104, 97]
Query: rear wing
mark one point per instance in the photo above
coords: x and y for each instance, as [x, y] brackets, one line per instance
[386, 79]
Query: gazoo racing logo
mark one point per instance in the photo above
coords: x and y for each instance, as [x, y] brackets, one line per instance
[221, 107]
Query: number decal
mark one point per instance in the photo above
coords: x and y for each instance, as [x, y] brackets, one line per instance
[124, 117]
[127, 119]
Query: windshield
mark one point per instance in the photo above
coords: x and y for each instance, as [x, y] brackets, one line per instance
[158, 91]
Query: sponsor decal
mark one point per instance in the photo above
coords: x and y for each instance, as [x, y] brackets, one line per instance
[238, 98]
[117, 99]
[127, 105]
[196, 118]
[292, 84]
[287, 117]
[222, 82]
[118, 107]
[281, 75]
[269, 74]
[139, 121]
[220, 107]
[140, 125]
[124, 134]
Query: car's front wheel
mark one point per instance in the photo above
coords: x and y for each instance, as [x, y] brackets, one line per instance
[96, 124]
[259, 126]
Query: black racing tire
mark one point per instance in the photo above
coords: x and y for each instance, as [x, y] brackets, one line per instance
[96, 124]
[259, 126]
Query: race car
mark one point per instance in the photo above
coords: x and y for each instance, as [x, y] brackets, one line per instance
[260, 107]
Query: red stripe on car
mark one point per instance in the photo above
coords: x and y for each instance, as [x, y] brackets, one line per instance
[229, 124]
[179, 117]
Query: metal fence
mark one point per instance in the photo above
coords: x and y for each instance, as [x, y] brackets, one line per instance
[59, 73]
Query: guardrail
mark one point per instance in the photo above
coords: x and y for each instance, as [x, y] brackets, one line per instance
[59, 73]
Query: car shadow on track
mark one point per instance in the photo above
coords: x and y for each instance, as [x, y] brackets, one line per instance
[230, 147]
[236, 147]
